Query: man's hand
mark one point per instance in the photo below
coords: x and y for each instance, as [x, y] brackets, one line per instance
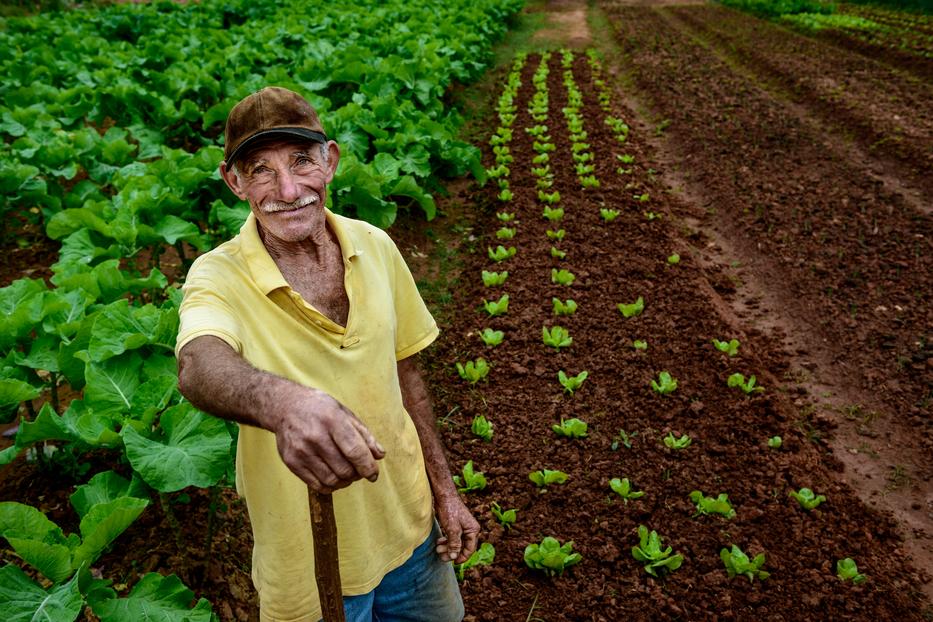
[323, 443]
[461, 530]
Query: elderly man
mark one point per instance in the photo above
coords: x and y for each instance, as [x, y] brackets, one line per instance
[304, 329]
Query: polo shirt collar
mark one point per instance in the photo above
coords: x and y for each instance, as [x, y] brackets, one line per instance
[265, 273]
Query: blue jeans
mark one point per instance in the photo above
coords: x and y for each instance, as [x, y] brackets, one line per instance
[423, 589]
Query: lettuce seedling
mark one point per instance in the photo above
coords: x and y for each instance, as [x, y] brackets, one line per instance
[483, 556]
[664, 384]
[571, 428]
[640, 344]
[541, 158]
[584, 169]
[650, 553]
[806, 498]
[491, 337]
[551, 198]
[589, 181]
[473, 371]
[567, 307]
[775, 442]
[556, 253]
[847, 570]
[472, 480]
[624, 438]
[501, 253]
[492, 279]
[571, 383]
[671, 442]
[626, 159]
[482, 428]
[536, 130]
[542, 171]
[546, 477]
[553, 213]
[543, 147]
[555, 235]
[505, 195]
[608, 214]
[562, 276]
[506, 233]
[748, 386]
[712, 505]
[673, 259]
[544, 183]
[505, 216]
[497, 307]
[737, 563]
[557, 337]
[623, 488]
[652, 215]
[624, 171]
[551, 556]
[730, 347]
[498, 171]
[632, 309]
[505, 517]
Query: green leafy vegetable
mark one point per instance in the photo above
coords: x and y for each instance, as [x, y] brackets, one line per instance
[623, 488]
[505, 517]
[712, 505]
[737, 563]
[553, 213]
[562, 276]
[567, 307]
[632, 309]
[665, 383]
[672, 442]
[623, 438]
[491, 337]
[501, 253]
[650, 553]
[807, 498]
[497, 307]
[847, 570]
[472, 480]
[608, 215]
[481, 428]
[483, 556]
[571, 383]
[551, 556]
[546, 477]
[730, 347]
[492, 279]
[571, 428]
[640, 344]
[775, 442]
[506, 233]
[473, 371]
[556, 337]
[748, 386]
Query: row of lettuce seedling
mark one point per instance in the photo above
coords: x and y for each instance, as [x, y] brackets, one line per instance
[550, 555]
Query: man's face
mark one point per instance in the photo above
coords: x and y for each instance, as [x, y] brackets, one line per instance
[285, 184]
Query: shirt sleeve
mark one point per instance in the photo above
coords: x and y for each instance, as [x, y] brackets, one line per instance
[205, 311]
[415, 328]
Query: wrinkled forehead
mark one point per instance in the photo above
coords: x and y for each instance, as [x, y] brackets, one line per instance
[278, 148]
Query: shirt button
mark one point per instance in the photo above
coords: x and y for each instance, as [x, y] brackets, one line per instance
[319, 322]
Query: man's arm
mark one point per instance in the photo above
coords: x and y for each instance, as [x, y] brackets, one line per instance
[461, 530]
[319, 439]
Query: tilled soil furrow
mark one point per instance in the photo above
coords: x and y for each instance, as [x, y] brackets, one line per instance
[891, 117]
[852, 259]
[614, 263]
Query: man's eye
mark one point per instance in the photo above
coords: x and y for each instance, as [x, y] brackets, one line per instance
[303, 161]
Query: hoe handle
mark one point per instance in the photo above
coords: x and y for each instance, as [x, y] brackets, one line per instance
[326, 566]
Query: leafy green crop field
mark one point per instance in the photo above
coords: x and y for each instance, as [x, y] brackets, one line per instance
[111, 121]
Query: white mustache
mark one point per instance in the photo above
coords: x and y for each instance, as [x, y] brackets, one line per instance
[280, 206]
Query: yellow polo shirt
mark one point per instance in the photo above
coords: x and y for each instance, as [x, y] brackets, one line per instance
[237, 293]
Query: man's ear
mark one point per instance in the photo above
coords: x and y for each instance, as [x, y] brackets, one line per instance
[333, 159]
[233, 181]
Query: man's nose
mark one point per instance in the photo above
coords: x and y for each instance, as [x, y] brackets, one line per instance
[288, 187]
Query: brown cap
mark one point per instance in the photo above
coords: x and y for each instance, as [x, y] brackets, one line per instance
[273, 111]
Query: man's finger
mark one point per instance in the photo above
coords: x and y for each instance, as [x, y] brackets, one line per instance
[351, 442]
[470, 540]
[453, 542]
[375, 448]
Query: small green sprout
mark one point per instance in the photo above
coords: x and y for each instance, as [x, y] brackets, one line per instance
[497, 307]
[672, 442]
[472, 480]
[483, 556]
[536, 130]
[482, 428]
[747, 386]
[632, 309]
[473, 371]
[541, 171]
[640, 344]
[806, 498]
[551, 198]
[553, 213]
[506, 233]
[571, 383]
[589, 181]
[504, 195]
[557, 337]
[543, 147]
[673, 259]
[712, 505]
[492, 279]
[623, 488]
[847, 570]
[737, 563]
[608, 214]
[650, 553]
[546, 477]
[626, 159]
[775, 442]
[730, 347]
[505, 216]
[624, 438]
[642, 198]
[505, 517]
[541, 158]
[491, 337]
[544, 183]
[665, 383]
[555, 235]
[570, 428]
[551, 556]
[498, 171]
[567, 307]
[556, 253]
[652, 215]
[501, 253]
[562, 276]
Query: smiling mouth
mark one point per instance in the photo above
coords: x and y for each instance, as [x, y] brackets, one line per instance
[275, 207]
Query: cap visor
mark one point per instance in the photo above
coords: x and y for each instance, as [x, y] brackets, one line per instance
[279, 132]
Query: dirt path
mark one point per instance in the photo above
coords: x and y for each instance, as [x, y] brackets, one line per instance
[758, 185]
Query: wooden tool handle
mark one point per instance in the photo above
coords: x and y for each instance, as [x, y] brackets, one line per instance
[326, 564]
